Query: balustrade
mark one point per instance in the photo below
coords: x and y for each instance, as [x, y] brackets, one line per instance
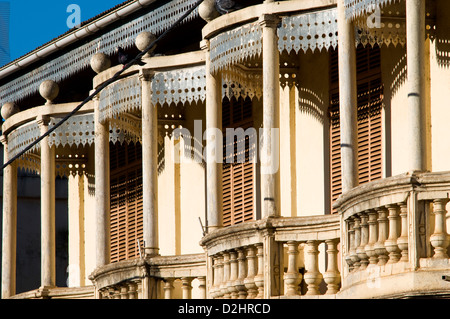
[395, 226]
[239, 272]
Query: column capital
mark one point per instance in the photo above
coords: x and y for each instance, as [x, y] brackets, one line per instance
[96, 97]
[269, 20]
[43, 120]
[4, 139]
[146, 74]
[205, 45]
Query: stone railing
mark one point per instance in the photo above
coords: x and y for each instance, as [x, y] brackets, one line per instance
[151, 278]
[394, 236]
[274, 258]
[58, 293]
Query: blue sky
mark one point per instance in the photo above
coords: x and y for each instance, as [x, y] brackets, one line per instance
[35, 22]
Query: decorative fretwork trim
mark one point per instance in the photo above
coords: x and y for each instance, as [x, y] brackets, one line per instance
[179, 86]
[64, 66]
[315, 30]
[357, 8]
[235, 46]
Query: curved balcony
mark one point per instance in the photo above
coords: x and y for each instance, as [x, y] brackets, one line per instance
[152, 278]
[394, 237]
[275, 258]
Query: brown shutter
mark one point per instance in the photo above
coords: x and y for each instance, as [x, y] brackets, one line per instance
[126, 200]
[369, 125]
[237, 178]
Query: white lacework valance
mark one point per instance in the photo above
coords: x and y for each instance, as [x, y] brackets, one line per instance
[235, 46]
[182, 85]
[78, 130]
[125, 128]
[120, 97]
[357, 8]
[21, 137]
[64, 66]
[237, 82]
[315, 30]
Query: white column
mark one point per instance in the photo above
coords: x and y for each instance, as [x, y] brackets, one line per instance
[213, 164]
[347, 100]
[9, 224]
[102, 189]
[149, 165]
[270, 143]
[415, 117]
[48, 266]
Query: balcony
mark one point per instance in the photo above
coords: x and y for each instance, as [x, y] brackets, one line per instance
[394, 237]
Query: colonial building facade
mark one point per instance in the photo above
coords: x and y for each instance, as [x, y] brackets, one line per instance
[290, 149]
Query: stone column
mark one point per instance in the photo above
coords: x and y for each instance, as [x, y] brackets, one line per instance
[48, 266]
[347, 100]
[102, 188]
[373, 235]
[9, 224]
[415, 117]
[213, 164]
[269, 141]
[149, 165]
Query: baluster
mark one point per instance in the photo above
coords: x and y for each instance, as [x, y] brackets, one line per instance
[259, 278]
[312, 276]
[292, 277]
[402, 241]
[373, 233]
[226, 275]
[242, 273]
[439, 240]
[380, 248]
[186, 287]
[215, 274]
[132, 290]
[356, 242]
[391, 242]
[332, 277]
[232, 290]
[351, 241]
[168, 288]
[252, 290]
[220, 275]
[202, 286]
[360, 250]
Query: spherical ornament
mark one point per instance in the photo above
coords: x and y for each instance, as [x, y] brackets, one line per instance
[207, 10]
[9, 109]
[144, 39]
[100, 62]
[49, 90]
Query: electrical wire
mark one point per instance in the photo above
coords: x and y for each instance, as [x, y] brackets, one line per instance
[113, 79]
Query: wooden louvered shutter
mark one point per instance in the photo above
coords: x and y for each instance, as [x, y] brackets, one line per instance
[126, 200]
[237, 178]
[369, 124]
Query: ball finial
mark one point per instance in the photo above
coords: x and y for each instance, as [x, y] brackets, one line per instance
[49, 90]
[207, 10]
[100, 62]
[143, 40]
[9, 109]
